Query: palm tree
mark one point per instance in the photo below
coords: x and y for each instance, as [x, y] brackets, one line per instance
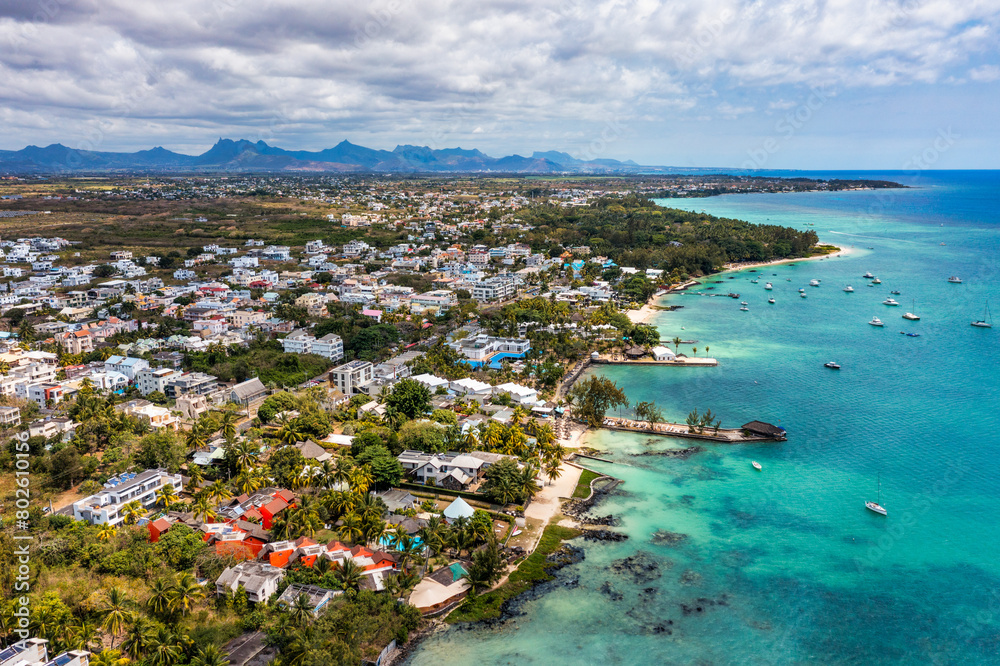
[348, 575]
[132, 511]
[250, 481]
[210, 655]
[375, 531]
[301, 611]
[115, 612]
[289, 430]
[196, 437]
[185, 593]
[526, 484]
[164, 648]
[342, 470]
[106, 532]
[304, 519]
[244, 454]
[137, 640]
[229, 419]
[166, 496]
[108, 657]
[369, 506]
[203, 509]
[350, 528]
[360, 479]
[553, 471]
[159, 601]
[677, 343]
[218, 491]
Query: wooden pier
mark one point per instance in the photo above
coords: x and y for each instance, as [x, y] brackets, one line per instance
[679, 362]
[724, 435]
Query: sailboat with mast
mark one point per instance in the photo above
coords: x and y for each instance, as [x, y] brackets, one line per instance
[877, 506]
[987, 320]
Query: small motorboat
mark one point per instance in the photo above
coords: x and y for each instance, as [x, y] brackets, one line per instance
[868, 276]
[849, 289]
[744, 308]
[911, 316]
[876, 281]
[890, 301]
[876, 322]
[801, 289]
[954, 279]
[770, 300]
[756, 465]
[832, 365]
[744, 303]
[803, 294]
[909, 335]
[769, 286]
[894, 292]
[813, 283]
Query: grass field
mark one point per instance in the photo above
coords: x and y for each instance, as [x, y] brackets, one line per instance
[583, 486]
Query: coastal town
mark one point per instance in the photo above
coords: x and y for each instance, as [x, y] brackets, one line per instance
[254, 408]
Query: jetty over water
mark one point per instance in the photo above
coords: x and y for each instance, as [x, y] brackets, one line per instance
[678, 361]
[755, 431]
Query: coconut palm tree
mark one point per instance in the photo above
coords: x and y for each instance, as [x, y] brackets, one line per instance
[300, 611]
[360, 479]
[348, 575]
[210, 655]
[166, 496]
[304, 520]
[159, 601]
[115, 612]
[289, 430]
[165, 648]
[185, 593]
[132, 511]
[202, 509]
[106, 532]
[244, 453]
[138, 639]
[553, 471]
[228, 429]
[196, 437]
[351, 527]
[108, 657]
[218, 491]
[677, 343]
[374, 532]
[250, 481]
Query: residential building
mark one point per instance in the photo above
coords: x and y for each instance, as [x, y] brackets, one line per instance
[349, 377]
[157, 417]
[494, 289]
[149, 380]
[247, 392]
[10, 416]
[196, 383]
[105, 506]
[260, 580]
[330, 346]
[34, 652]
[126, 365]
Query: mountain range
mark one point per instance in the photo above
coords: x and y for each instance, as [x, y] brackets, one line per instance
[245, 156]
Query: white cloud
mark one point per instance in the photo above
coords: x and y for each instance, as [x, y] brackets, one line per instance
[985, 73]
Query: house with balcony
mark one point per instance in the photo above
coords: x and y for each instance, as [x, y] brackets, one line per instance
[104, 507]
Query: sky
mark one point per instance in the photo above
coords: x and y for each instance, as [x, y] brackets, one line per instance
[790, 84]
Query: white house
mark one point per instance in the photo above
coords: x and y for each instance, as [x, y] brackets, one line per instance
[105, 506]
[661, 353]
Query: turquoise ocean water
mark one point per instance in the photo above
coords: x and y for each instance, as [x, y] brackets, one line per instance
[785, 566]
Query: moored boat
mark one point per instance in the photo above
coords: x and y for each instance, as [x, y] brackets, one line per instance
[868, 275]
[954, 279]
[986, 321]
[876, 322]
[890, 301]
[849, 289]
[756, 465]
[770, 300]
[832, 365]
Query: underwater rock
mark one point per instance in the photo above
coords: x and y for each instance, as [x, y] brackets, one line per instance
[668, 538]
[641, 567]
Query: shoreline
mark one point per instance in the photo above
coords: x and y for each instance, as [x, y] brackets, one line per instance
[644, 314]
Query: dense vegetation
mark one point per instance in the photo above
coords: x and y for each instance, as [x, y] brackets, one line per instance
[633, 231]
[263, 359]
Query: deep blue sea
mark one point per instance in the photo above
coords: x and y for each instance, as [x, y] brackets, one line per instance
[786, 566]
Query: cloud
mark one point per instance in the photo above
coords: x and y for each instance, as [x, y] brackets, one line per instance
[307, 73]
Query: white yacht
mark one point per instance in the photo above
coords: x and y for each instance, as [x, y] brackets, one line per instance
[877, 506]
[876, 322]
[876, 281]
[813, 283]
[890, 301]
[954, 279]
[771, 300]
[868, 275]
[848, 289]
[769, 286]
[744, 308]
[911, 316]
[803, 294]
